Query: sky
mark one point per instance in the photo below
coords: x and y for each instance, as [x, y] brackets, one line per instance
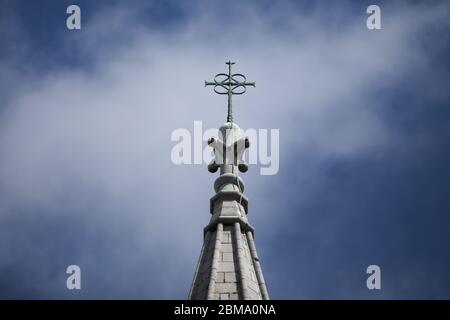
[86, 118]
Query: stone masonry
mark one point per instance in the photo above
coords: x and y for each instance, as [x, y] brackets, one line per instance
[228, 266]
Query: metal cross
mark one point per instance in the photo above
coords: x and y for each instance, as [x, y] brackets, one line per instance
[230, 84]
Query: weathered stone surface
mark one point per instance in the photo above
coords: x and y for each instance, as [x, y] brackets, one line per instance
[226, 266]
[226, 287]
[224, 296]
[220, 277]
[230, 277]
[227, 256]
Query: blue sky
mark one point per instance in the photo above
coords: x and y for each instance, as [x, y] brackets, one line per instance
[85, 124]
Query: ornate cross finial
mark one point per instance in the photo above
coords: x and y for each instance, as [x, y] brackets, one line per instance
[230, 84]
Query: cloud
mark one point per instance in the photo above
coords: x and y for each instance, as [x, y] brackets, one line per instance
[86, 176]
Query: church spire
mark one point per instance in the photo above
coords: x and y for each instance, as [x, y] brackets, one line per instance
[229, 267]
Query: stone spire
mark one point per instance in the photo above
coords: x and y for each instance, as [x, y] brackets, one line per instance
[228, 267]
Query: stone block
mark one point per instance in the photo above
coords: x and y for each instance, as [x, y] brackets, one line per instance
[230, 277]
[226, 267]
[220, 277]
[227, 256]
[226, 247]
[224, 296]
[226, 287]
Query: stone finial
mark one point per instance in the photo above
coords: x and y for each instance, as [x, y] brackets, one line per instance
[228, 149]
